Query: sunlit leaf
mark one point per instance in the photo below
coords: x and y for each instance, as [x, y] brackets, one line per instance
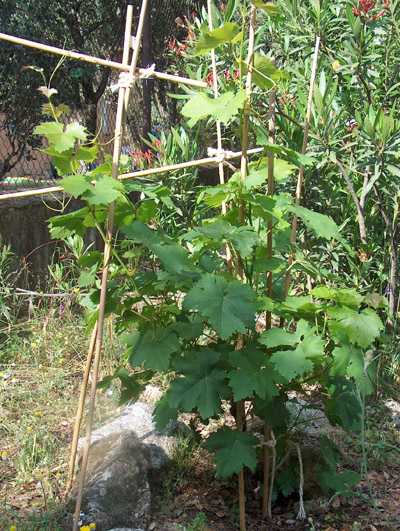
[222, 108]
[210, 39]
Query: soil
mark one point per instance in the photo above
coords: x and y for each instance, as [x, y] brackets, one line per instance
[182, 497]
[218, 500]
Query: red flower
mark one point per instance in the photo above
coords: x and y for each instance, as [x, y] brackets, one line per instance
[366, 6]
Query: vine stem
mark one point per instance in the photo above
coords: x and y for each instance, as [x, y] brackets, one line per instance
[241, 416]
[219, 135]
[268, 322]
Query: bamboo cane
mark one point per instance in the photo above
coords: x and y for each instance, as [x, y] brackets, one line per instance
[219, 135]
[79, 413]
[241, 418]
[99, 61]
[119, 127]
[133, 175]
[304, 148]
[268, 323]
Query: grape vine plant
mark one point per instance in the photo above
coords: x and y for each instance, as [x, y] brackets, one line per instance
[183, 309]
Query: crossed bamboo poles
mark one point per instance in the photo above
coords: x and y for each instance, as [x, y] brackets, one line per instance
[95, 345]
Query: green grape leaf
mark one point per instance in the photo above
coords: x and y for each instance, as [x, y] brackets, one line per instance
[349, 361]
[276, 337]
[87, 278]
[203, 385]
[338, 481]
[76, 185]
[172, 255]
[226, 304]
[222, 108]
[233, 449]
[105, 191]
[86, 154]
[190, 329]
[255, 179]
[265, 75]
[274, 411]
[164, 412]
[242, 238]
[61, 161]
[59, 137]
[360, 328]
[210, 39]
[152, 350]
[330, 451]
[298, 361]
[270, 7]
[344, 408]
[66, 225]
[147, 210]
[347, 297]
[287, 480]
[254, 374]
[283, 170]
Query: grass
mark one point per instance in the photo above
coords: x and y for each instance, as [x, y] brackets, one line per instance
[41, 365]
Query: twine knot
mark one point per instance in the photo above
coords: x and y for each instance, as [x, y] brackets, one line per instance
[220, 154]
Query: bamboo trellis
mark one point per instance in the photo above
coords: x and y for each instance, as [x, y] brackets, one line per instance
[95, 346]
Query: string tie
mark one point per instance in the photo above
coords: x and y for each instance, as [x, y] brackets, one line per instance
[220, 154]
[302, 512]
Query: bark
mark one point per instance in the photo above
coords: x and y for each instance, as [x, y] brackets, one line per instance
[394, 232]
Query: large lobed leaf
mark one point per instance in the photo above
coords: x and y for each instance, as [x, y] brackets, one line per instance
[152, 349]
[254, 373]
[227, 305]
[211, 39]
[60, 137]
[222, 108]
[203, 385]
[234, 449]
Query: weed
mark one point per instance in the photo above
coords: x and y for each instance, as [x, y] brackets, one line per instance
[199, 523]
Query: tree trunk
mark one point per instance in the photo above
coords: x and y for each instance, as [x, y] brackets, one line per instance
[393, 282]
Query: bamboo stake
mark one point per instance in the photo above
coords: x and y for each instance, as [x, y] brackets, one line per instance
[303, 151]
[99, 61]
[219, 135]
[268, 323]
[241, 418]
[133, 175]
[79, 413]
[123, 96]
